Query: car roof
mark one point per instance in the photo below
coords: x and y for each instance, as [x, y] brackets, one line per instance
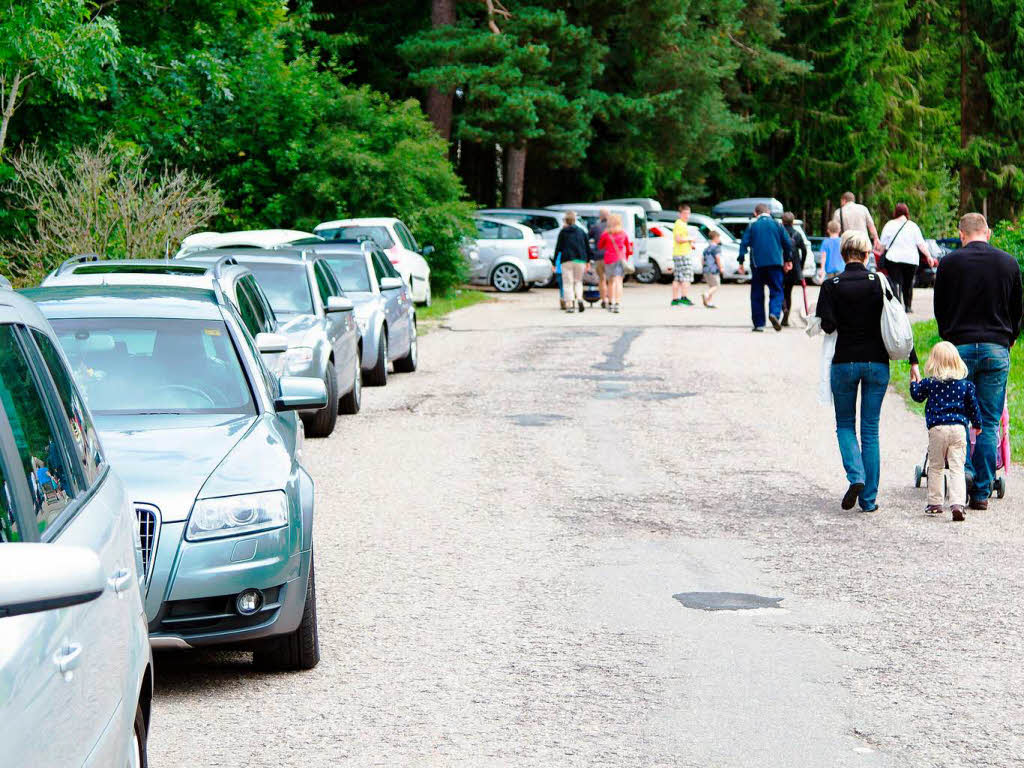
[16, 308]
[524, 211]
[593, 207]
[256, 255]
[503, 222]
[255, 238]
[649, 204]
[380, 221]
[169, 301]
[744, 206]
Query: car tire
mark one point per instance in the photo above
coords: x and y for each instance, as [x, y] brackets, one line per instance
[408, 363]
[653, 275]
[506, 278]
[321, 424]
[352, 401]
[298, 650]
[378, 375]
[139, 756]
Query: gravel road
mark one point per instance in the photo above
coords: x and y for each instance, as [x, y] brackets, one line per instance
[500, 535]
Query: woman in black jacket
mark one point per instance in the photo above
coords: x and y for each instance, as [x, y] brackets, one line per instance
[795, 273]
[575, 250]
[851, 305]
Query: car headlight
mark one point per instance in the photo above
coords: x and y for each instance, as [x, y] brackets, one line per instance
[235, 515]
[297, 359]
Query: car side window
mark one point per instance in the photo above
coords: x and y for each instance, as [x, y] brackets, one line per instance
[83, 433]
[407, 239]
[265, 315]
[488, 230]
[332, 280]
[39, 445]
[245, 308]
[9, 529]
[322, 284]
[378, 268]
[510, 233]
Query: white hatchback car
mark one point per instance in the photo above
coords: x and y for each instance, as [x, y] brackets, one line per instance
[75, 647]
[398, 243]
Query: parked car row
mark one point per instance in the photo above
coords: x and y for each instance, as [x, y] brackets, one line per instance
[151, 442]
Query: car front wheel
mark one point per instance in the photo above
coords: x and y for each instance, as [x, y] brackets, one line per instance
[652, 275]
[138, 756]
[378, 375]
[408, 363]
[507, 278]
[321, 424]
[297, 650]
[352, 402]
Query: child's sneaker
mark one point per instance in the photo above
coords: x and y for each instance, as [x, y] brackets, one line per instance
[675, 302]
[958, 513]
[934, 509]
[685, 302]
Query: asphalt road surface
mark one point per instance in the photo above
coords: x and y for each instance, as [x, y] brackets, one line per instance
[500, 537]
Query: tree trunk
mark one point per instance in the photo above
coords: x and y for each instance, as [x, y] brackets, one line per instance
[7, 106]
[515, 176]
[965, 188]
[439, 104]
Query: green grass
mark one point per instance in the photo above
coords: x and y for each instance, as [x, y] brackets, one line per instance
[926, 335]
[443, 305]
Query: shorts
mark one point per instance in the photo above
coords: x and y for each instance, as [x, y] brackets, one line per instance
[682, 269]
[713, 279]
[599, 267]
[615, 269]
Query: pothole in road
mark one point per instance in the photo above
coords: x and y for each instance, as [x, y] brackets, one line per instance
[615, 359]
[726, 601]
[535, 419]
[619, 390]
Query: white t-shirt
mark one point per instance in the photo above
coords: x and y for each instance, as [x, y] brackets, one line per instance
[902, 249]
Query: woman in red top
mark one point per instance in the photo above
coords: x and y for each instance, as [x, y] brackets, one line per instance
[617, 249]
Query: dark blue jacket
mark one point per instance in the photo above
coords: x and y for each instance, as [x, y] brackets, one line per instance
[950, 401]
[768, 243]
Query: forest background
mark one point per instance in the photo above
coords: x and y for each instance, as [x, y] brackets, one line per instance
[304, 111]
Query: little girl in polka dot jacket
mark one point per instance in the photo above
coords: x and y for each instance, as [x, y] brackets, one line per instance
[952, 403]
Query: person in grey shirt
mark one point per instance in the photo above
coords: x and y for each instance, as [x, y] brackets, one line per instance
[852, 216]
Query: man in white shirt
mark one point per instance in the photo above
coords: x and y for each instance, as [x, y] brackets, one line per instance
[851, 215]
[904, 245]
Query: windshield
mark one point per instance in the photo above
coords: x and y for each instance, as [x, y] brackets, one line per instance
[378, 234]
[351, 273]
[133, 365]
[286, 286]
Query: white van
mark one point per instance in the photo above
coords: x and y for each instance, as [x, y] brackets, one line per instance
[634, 222]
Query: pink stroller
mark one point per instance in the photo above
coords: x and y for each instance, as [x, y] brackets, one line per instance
[1002, 456]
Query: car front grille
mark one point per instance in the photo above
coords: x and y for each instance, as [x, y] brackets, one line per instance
[149, 526]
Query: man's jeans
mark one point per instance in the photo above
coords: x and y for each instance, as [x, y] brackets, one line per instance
[860, 461]
[988, 366]
[761, 277]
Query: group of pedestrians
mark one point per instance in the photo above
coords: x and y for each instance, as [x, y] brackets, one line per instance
[979, 305]
[604, 250]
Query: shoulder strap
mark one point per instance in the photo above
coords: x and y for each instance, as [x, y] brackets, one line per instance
[897, 234]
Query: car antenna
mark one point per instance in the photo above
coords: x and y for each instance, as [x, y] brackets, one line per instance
[167, 249]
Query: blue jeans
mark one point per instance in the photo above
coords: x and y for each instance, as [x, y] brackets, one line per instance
[988, 366]
[760, 278]
[860, 461]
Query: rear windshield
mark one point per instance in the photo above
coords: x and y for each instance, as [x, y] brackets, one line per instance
[351, 273]
[286, 286]
[130, 365]
[378, 234]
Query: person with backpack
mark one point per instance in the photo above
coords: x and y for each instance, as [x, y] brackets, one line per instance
[851, 305]
[904, 245]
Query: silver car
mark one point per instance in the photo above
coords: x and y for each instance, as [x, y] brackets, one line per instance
[507, 255]
[384, 308]
[76, 673]
[316, 318]
[542, 221]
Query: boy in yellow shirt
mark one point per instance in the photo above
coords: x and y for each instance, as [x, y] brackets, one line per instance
[682, 267]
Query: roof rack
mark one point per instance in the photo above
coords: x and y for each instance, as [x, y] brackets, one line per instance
[82, 258]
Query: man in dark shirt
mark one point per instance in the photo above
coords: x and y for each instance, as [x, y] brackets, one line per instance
[770, 248]
[978, 307]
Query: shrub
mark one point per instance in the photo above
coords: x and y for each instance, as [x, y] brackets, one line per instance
[1009, 235]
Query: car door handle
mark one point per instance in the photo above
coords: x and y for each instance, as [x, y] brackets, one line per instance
[119, 581]
[68, 657]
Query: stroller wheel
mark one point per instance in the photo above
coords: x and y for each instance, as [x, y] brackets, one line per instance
[999, 486]
[918, 474]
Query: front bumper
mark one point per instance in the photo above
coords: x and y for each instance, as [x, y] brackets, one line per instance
[195, 606]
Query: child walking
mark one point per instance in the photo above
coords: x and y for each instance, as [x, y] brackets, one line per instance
[952, 403]
[712, 269]
[831, 260]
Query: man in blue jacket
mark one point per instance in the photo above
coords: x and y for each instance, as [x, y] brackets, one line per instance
[771, 252]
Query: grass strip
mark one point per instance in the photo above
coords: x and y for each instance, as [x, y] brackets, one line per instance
[430, 317]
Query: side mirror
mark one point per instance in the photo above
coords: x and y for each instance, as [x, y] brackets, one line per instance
[391, 283]
[300, 393]
[339, 304]
[426, 250]
[267, 343]
[43, 577]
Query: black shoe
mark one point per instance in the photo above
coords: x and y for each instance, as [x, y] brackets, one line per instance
[958, 513]
[851, 495]
[776, 323]
[979, 504]
[758, 329]
[581, 306]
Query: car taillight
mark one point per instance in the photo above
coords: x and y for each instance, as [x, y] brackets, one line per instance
[534, 251]
[394, 261]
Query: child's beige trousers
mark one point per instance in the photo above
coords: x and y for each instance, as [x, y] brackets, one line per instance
[947, 444]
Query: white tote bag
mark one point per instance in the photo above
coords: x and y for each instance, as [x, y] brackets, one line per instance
[896, 331]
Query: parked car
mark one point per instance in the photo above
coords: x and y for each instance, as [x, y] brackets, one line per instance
[700, 228]
[737, 225]
[398, 243]
[316, 319]
[649, 204]
[209, 447]
[506, 255]
[237, 282]
[76, 672]
[384, 310]
[544, 222]
[742, 210]
[634, 222]
[251, 238]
